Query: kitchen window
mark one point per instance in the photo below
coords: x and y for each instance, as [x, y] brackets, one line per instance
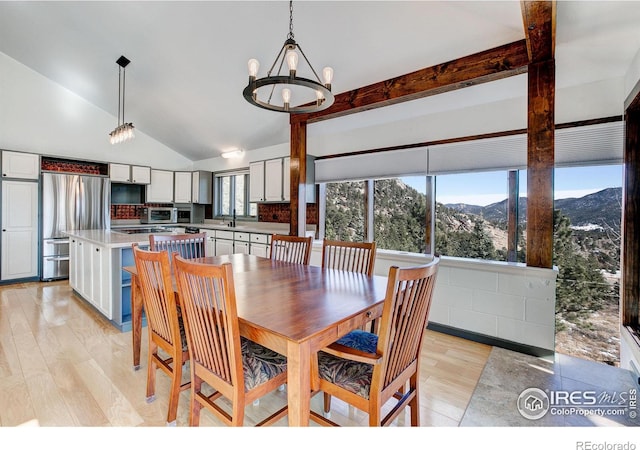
[232, 193]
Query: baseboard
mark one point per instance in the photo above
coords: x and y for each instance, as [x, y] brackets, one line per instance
[490, 340]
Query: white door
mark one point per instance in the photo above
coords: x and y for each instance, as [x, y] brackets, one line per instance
[19, 230]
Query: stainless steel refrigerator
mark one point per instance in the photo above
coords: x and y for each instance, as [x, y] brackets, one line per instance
[70, 202]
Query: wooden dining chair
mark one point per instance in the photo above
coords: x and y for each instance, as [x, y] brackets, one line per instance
[366, 370]
[294, 249]
[186, 245]
[164, 324]
[352, 256]
[235, 367]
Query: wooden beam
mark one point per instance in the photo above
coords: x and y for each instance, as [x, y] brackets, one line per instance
[629, 259]
[540, 163]
[298, 170]
[489, 65]
[539, 19]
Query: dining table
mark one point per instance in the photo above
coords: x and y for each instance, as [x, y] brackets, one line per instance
[293, 309]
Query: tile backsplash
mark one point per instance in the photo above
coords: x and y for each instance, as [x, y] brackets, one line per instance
[281, 213]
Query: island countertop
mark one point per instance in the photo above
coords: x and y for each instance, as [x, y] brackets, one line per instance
[112, 239]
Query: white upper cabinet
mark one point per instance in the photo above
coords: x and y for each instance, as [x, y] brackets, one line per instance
[273, 180]
[140, 174]
[256, 181]
[124, 173]
[182, 187]
[201, 187]
[161, 188]
[20, 165]
[120, 173]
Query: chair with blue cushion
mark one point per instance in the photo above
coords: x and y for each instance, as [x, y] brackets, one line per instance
[367, 370]
[236, 368]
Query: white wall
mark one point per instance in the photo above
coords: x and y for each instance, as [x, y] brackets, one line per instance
[507, 301]
[40, 116]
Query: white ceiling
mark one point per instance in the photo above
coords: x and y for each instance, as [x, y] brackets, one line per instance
[189, 59]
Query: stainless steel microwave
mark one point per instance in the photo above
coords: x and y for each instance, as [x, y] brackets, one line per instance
[158, 214]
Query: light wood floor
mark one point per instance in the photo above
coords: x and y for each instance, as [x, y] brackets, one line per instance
[63, 364]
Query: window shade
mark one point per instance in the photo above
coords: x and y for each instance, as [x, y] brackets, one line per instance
[598, 144]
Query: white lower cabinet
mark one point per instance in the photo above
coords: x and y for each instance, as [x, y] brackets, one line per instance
[210, 245]
[260, 244]
[224, 247]
[90, 274]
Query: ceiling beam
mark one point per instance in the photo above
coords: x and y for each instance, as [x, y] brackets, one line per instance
[489, 65]
[539, 19]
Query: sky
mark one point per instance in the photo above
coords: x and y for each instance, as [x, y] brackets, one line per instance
[486, 188]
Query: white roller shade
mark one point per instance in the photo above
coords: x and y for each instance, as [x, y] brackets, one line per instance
[372, 165]
[587, 145]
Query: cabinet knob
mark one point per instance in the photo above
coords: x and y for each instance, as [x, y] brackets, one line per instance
[4, 229]
[97, 249]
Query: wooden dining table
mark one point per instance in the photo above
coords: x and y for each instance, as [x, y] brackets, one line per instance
[293, 309]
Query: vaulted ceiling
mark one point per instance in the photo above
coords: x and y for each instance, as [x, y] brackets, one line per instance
[189, 59]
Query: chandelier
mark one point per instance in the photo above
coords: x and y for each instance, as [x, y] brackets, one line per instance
[310, 95]
[124, 131]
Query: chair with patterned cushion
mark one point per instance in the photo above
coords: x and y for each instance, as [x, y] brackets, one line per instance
[294, 249]
[234, 367]
[164, 325]
[367, 370]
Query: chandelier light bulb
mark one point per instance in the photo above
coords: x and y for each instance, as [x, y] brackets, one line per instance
[319, 97]
[286, 95]
[253, 65]
[327, 75]
[292, 61]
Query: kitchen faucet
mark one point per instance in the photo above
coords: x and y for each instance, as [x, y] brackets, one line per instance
[233, 220]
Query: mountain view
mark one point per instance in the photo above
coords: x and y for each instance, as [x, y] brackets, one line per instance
[586, 249]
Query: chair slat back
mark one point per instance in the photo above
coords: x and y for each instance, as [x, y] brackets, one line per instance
[186, 245]
[404, 318]
[294, 249]
[208, 303]
[158, 296]
[350, 256]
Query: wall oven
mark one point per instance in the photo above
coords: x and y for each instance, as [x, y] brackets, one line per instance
[158, 214]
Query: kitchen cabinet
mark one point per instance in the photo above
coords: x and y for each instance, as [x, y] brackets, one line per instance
[256, 181]
[270, 180]
[161, 188]
[140, 175]
[224, 242]
[240, 242]
[201, 191]
[182, 187]
[19, 255]
[124, 173]
[20, 165]
[259, 244]
[273, 183]
[210, 246]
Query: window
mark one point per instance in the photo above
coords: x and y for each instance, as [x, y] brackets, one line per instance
[399, 213]
[471, 215]
[232, 193]
[586, 250]
[345, 211]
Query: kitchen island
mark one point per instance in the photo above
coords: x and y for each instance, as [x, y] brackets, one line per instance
[96, 259]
